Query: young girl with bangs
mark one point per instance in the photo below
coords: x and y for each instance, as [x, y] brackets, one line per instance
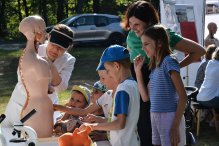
[165, 88]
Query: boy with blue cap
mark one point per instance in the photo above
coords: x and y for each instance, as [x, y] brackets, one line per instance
[123, 116]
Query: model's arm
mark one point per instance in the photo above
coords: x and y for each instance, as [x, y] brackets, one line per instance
[177, 81]
[77, 111]
[138, 63]
[194, 50]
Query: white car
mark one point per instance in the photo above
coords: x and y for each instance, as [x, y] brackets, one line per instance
[95, 28]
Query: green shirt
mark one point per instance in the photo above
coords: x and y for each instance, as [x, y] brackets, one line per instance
[135, 45]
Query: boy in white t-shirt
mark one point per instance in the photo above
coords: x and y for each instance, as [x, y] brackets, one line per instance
[122, 122]
[102, 103]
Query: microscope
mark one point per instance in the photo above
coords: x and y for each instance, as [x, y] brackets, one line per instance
[2, 117]
[25, 134]
[2, 139]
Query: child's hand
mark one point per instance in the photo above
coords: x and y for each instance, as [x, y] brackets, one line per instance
[85, 125]
[59, 128]
[90, 118]
[138, 63]
[98, 136]
[174, 136]
[57, 107]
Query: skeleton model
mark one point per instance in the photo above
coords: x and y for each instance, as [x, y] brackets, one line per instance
[35, 75]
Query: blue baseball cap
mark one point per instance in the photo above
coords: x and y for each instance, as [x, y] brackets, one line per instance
[113, 53]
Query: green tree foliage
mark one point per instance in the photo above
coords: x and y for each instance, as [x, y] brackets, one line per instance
[13, 11]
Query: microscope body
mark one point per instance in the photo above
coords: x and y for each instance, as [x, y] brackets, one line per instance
[26, 135]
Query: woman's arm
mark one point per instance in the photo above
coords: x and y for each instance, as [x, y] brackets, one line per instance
[194, 50]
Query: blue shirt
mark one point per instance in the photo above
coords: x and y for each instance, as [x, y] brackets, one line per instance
[122, 100]
[163, 94]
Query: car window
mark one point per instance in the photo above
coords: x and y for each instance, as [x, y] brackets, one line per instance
[64, 21]
[113, 20]
[84, 20]
[101, 21]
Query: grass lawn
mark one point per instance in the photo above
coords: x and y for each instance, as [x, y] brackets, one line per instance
[87, 59]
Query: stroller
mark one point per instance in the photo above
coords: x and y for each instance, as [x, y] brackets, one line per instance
[191, 93]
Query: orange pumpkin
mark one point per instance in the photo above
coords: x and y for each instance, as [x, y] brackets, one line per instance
[77, 138]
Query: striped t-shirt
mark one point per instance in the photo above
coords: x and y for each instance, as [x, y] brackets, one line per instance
[163, 94]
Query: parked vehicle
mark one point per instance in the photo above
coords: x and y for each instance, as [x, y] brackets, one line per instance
[95, 28]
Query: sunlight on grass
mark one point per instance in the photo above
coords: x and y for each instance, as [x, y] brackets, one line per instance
[5, 54]
[8, 71]
[3, 103]
[64, 96]
[63, 99]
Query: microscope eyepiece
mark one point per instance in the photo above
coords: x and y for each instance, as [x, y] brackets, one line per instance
[25, 118]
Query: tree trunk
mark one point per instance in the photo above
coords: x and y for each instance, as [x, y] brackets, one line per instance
[19, 10]
[156, 4]
[44, 11]
[79, 7]
[25, 8]
[60, 10]
[66, 8]
[96, 6]
[40, 7]
[2, 18]
[108, 6]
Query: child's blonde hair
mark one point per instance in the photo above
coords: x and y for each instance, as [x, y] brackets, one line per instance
[209, 51]
[216, 54]
[83, 90]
